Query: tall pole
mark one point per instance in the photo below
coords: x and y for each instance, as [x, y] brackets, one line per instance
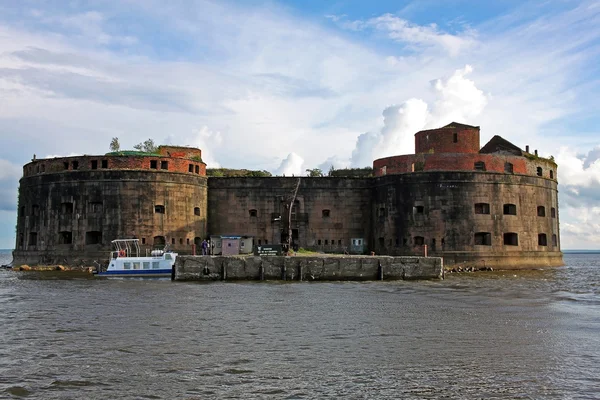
[289, 238]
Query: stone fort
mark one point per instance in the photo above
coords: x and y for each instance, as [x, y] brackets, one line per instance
[494, 206]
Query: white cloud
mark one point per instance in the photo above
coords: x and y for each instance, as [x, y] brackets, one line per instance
[291, 166]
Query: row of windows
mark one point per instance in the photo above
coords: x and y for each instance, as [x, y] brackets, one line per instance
[94, 207]
[511, 239]
[511, 209]
[65, 237]
[143, 265]
[103, 164]
[160, 209]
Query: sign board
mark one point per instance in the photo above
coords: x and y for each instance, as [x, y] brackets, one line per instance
[268, 250]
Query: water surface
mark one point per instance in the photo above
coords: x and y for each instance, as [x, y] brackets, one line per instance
[503, 335]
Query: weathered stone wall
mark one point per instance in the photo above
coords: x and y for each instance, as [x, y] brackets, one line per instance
[329, 212]
[437, 209]
[442, 140]
[189, 268]
[71, 217]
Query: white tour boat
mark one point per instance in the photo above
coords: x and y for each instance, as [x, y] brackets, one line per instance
[125, 261]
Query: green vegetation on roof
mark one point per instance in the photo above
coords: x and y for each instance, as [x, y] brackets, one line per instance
[351, 172]
[228, 172]
[132, 153]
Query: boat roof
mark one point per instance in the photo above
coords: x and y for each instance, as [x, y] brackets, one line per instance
[125, 240]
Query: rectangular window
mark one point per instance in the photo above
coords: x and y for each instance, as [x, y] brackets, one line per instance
[93, 237]
[172, 240]
[541, 211]
[483, 239]
[164, 165]
[65, 237]
[482, 208]
[196, 210]
[197, 169]
[326, 242]
[455, 138]
[94, 164]
[32, 239]
[146, 265]
[542, 240]
[253, 213]
[479, 166]
[95, 207]
[508, 168]
[510, 209]
[191, 168]
[66, 208]
[75, 164]
[419, 240]
[126, 265]
[419, 209]
[153, 164]
[319, 242]
[136, 265]
[159, 209]
[104, 163]
[540, 172]
[143, 240]
[382, 211]
[511, 239]
[326, 213]
[339, 242]
[155, 264]
[66, 165]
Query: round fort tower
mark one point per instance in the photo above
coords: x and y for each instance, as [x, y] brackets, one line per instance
[71, 208]
[496, 206]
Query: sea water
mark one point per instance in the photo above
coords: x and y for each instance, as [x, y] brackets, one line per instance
[498, 335]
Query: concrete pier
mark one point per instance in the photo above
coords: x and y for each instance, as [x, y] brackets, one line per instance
[315, 268]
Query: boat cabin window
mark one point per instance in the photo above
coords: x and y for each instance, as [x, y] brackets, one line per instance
[146, 265]
[126, 265]
[168, 257]
[154, 264]
[136, 265]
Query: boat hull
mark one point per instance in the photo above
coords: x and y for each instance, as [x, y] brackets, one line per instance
[136, 273]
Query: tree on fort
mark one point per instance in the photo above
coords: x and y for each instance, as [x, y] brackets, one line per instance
[147, 146]
[314, 172]
[114, 144]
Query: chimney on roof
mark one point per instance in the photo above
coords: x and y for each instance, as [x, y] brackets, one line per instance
[527, 149]
[535, 152]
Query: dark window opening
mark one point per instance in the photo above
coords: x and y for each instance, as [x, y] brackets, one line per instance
[455, 138]
[483, 239]
[511, 239]
[419, 240]
[551, 174]
[143, 240]
[510, 209]
[153, 164]
[326, 213]
[419, 209]
[159, 209]
[319, 242]
[66, 165]
[164, 165]
[381, 242]
[479, 166]
[172, 240]
[180, 240]
[159, 241]
[22, 211]
[75, 164]
[94, 164]
[508, 168]
[104, 163]
[553, 212]
[539, 171]
[397, 242]
[432, 244]
[191, 168]
[66, 208]
[267, 242]
[259, 242]
[542, 240]
[32, 239]
[95, 207]
[326, 242]
[197, 169]
[43, 166]
[35, 210]
[65, 237]
[541, 211]
[196, 210]
[253, 213]
[404, 241]
[382, 212]
[554, 240]
[93, 237]
[340, 242]
[482, 208]
[187, 240]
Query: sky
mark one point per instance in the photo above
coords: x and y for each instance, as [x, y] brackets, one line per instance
[286, 86]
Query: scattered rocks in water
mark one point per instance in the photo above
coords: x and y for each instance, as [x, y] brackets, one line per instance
[469, 269]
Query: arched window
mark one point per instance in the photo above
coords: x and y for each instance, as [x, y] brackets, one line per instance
[510, 209]
[541, 211]
[483, 239]
[540, 172]
[542, 240]
[508, 168]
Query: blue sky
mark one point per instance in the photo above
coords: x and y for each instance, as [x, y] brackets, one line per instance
[285, 85]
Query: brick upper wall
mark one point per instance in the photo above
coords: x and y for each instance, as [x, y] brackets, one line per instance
[175, 163]
[443, 140]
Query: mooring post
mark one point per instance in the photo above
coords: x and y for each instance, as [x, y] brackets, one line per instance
[223, 271]
[379, 271]
[261, 272]
[283, 269]
[425, 250]
[194, 249]
[300, 272]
